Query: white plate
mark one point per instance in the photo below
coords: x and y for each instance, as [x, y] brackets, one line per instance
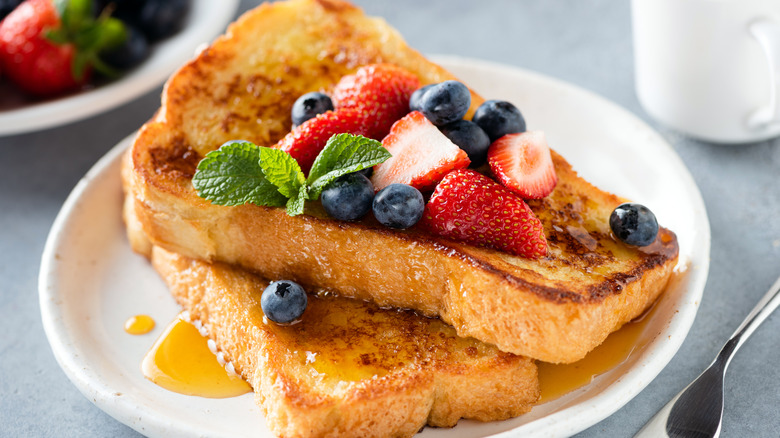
[90, 281]
[206, 20]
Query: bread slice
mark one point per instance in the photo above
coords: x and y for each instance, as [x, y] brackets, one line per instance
[555, 309]
[349, 368]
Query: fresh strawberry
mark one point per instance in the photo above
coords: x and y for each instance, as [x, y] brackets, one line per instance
[421, 155]
[306, 141]
[470, 207]
[522, 162]
[38, 51]
[381, 91]
[35, 64]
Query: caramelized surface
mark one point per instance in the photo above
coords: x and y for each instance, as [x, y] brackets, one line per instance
[348, 368]
[353, 340]
[555, 309]
[583, 252]
[245, 84]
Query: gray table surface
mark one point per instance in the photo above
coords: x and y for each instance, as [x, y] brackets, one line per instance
[585, 42]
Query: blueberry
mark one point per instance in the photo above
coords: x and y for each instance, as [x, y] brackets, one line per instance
[398, 206]
[283, 301]
[367, 172]
[445, 102]
[309, 105]
[6, 6]
[125, 10]
[416, 99]
[469, 137]
[158, 19]
[349, 197]
[132, 52]
[634, 224]
[499, 118]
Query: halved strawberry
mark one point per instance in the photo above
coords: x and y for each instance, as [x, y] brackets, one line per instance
[381, 91]
[306, 141]
[470, 207]
[522, 162]
[421, 155]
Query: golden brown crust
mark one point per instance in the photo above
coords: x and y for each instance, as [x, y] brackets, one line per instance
[554, 309]
[243, 86]
[349, 368]
[551, 309]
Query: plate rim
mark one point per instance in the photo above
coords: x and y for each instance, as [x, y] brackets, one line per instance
[136, 82]
[551, 425]
[548, 425]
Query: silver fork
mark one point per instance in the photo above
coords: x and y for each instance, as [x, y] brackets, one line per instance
[696, 412]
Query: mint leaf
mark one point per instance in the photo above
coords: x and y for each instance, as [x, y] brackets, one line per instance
[232, 175]
[281, 170]
[240, 172]
[296, 203]
[343, 154]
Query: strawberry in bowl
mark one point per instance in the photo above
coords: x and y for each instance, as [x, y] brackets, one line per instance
[50, 48]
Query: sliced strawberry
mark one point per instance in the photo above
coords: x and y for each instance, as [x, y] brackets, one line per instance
[522, 162]
[470, 207]
[421, 155]
[306, 141]
[381, 91]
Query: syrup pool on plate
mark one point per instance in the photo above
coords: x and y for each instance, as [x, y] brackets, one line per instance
[181, 361]
[557, 380]
[139, 324]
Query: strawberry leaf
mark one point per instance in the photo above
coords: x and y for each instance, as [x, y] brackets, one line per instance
[57, 36]
[79, 65]
[90, 36]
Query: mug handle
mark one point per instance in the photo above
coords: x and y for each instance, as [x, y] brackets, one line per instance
[767, 33]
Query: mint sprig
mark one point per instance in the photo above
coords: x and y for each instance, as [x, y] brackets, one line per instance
[281, 170]
[232, 175]
[343, 154]
[240, 172]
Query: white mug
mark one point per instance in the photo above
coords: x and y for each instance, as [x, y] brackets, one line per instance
[710, 68]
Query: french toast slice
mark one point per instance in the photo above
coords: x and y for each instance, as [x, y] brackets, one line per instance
[348, 368]
[554, 309]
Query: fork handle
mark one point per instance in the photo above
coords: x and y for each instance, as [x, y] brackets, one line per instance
[763, 309]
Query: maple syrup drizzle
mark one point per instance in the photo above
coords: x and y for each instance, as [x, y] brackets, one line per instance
[181, 361]
[557, 380]
[139, 324]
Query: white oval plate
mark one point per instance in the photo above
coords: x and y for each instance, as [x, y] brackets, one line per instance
[91, 282]
[206, 20]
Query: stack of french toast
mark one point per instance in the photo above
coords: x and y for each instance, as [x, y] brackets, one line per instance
[403, 328]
